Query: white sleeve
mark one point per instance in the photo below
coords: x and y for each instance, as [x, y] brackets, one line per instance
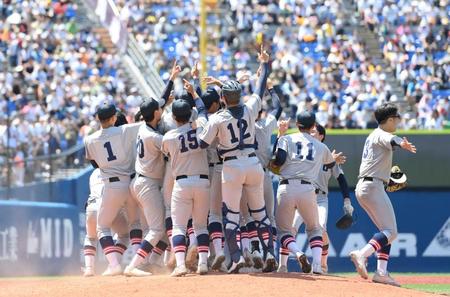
[165, 146]
[327, 156]
[210, 131]
[254, 105]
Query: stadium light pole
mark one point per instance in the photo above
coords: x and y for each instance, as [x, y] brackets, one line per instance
[203, 41]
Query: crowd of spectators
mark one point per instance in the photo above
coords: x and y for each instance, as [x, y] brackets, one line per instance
[319, 63]
[52, 74]
[415, 36]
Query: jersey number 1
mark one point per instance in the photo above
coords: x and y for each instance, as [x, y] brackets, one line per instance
[111, 156]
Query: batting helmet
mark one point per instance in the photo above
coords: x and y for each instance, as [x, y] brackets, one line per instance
[106, 111]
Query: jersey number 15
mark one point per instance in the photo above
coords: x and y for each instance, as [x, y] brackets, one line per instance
[192, 142]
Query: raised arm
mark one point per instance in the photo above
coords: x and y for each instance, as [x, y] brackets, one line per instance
[263, 57]
[276, 104]
[176, 69]
[195, 77]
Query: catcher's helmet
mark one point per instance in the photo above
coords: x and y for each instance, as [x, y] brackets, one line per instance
[231, 91]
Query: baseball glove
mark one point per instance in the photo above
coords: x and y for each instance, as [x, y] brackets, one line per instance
[397, 180]
[345, 221]
[272, 167]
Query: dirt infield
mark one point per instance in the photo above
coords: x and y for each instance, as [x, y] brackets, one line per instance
[423, 279]
[257, 285]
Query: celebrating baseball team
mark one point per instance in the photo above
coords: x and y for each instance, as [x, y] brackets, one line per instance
[188, 186]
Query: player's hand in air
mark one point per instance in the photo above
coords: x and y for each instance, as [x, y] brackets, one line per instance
[244, 78]
[176, 69]
[339, 157]
[283, 126]
[209, 80]
[406, 145]
[194, 71]
[189, 88]
[263, 55]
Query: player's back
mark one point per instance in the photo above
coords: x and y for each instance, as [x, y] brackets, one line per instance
[185, 155]
[150, 160]
[305, 156]
[324, 176]
[263, 132]
[229, 134]
[113, 149]
[376, 159]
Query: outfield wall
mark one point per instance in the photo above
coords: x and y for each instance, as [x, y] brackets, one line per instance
[39, 238]
[428, 168]
[423, 243]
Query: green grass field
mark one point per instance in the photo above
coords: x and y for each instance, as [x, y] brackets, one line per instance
[432, 288]
[367, 131]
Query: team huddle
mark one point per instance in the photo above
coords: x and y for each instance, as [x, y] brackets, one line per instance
[189, 185]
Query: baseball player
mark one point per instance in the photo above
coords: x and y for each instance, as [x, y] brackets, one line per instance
[119, 226]
[234, 129]
[211, 99]
[264, 130]
[190, 193]
[321, 185]
[374, 174]
[146, 187]
[120, 223]
[111, 149]
[300, 158]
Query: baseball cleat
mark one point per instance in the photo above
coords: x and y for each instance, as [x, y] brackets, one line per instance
[304, 263]
[202, 268]
[88, 271]
[113, 271]
[172, 262]
[217, 262]
[179, 271]
[257, 259]
[191, 257]
[317, 269]
[223, 268]
[271, 264]
[324, 268]
[384, 278]
[248, 258]
[359, 261]
[236, 266]
[132, 271]
[282, 269]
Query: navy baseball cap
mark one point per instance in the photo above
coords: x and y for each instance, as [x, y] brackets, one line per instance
[148, 107]
[306, 119]
[181, 108]
[209, 97]
[105, 111]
